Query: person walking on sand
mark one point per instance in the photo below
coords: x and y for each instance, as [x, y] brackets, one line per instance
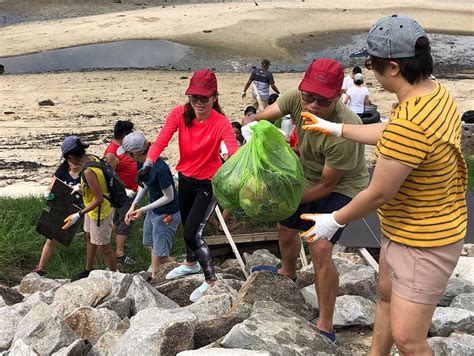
[162, 213]
[418, 186]
[334, 169]
[201, 127]
[263, 80]
[126, 170]
[98, 212]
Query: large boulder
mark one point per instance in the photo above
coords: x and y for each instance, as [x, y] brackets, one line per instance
[144, 296]
[464, 269]
[448, 320]
[44, 330]
[179, 290]
[208, 331]
[353, 310]
[310, 296]
[226, 352]
[86, 292]
[20, 348]
[259, 258]
[351, 257]
[107, 343]
[464, 301]
[91, 324]
[278, 330]
[361, 281]
[123, 307]
[33, 282]
[455, 344]
[455, 286]
[10, 296]
[119, 282]
[267, 286]
[229, 287]
[156, 331]
[9, 320]
[46, 297]
[210, 306]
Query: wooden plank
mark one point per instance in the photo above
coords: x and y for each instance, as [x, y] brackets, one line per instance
[369, 259]
[242, 238]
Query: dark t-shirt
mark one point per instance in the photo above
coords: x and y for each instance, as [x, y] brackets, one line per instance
[161, 178]
[263, 79]
[62, 173]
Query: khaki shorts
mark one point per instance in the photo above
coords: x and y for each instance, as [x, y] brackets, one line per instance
[100, 235]
[420, 274]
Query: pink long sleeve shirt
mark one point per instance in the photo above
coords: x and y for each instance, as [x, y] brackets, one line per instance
[198, 145]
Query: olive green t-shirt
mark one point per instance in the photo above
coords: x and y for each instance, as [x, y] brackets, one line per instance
[317, 149]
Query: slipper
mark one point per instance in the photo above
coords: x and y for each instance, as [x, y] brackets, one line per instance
[272, 269]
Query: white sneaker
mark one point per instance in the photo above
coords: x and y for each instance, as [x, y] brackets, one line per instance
[198, 292]
[183, 270]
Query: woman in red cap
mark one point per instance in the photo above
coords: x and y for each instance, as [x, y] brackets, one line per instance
[201, 127]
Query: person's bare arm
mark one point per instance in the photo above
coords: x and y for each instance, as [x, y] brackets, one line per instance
[271, 113]
[112, 160]
[329, 179]
[367, 134]
[275, 89]
[247, 85]
[366, 101]
[388, 176]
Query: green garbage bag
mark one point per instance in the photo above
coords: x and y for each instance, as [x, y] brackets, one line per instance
[264, 177]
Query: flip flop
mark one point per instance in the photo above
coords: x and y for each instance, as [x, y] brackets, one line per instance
[272, 269]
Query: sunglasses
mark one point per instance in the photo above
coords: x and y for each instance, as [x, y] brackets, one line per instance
[308, 99]
[196, 98]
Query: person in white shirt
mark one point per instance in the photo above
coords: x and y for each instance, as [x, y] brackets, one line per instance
[357, 97]
[348, 81]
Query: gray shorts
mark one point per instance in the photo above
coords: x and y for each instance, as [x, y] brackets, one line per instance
[159, 235]
[119, 219]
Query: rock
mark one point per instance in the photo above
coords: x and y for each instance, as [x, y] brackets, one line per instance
[89, 323]
[2, 303]
[163, 271]
[44, 330]
[63, 308]
[10, 317]
[107, 343]
[210, 306]
[353, 310]
[209, 331]
[267, 286]
[33, 282]
[260, 257]
[229, 287]
[455, 344]
[158, 331]
[226, 352]
[279, 331]
[468, 250]
[123, 307]
[144, 296]
[20, 348]
[119, 282]
[343, 265]
[464, 301]
[351, 257]
[179, 290]
[46, 297]
[455, 286]
[77, 348]
[230, 262]
[86, 292]
[464, 269]
[10, 296]
[47, 102]
[235, 271]
[361, 282]
[448, 320]
[310, 296]
[304, 278]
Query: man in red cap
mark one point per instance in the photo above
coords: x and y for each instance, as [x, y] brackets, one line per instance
[335, 171]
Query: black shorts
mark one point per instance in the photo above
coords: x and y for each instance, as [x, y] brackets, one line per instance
[119, 219]
[329, 204]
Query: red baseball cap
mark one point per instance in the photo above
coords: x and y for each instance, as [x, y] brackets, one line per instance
[203, 83]
[323, 77]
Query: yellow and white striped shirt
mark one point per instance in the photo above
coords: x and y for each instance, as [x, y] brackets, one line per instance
[429, 209]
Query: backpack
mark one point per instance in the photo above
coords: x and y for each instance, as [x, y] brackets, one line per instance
[115, 187]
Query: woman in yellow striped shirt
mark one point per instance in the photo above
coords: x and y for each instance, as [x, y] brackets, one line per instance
[418, 187]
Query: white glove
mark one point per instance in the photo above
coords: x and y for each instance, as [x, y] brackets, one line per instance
[316, 124]
[325, 226]
[76, 189]
[130, 193]
[71, 220]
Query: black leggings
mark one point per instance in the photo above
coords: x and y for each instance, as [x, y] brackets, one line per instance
[196, 204]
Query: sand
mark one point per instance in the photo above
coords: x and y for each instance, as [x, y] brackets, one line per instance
[89, 103]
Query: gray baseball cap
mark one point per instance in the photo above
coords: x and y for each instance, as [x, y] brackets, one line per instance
[71, 143]
[393, 36]
[134, 142]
